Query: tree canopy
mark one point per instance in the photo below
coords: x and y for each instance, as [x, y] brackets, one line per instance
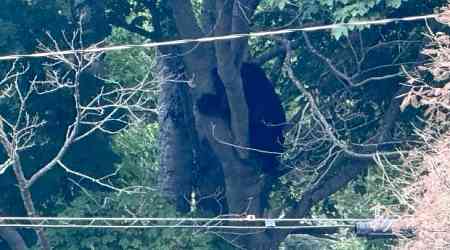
[140, 125]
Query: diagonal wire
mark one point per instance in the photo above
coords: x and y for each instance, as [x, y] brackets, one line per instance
[220, 38]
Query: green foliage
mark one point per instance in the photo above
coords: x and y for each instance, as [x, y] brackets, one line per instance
[127, 66]
[351, 243]
[139, 152]
[362, 198]
[353, 10]
[363, 195]
[9, 36]
[338, 11]
[343, 9]
[137, 147]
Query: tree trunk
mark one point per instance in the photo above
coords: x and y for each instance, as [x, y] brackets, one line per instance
[187, 164]
[27, 199]
[244, 183]
[13, 238]
[175, 138]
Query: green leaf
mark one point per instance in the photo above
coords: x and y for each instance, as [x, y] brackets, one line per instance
[394, 3]
[340, 32]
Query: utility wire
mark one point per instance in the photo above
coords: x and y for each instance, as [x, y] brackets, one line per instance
[189, 222]
[72, 226]
[220, 38]
[379, 227]
[181, 219]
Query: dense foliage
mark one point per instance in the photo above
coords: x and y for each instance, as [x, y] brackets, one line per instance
[354, 75]
[138, 150]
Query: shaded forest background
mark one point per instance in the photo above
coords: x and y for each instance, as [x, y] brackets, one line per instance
[342, 91]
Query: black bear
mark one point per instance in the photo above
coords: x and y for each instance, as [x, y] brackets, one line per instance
[266, 114]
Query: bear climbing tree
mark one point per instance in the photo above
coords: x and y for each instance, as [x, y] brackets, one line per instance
[266, 114]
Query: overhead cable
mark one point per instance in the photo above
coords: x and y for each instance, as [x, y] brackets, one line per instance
[218, 38]
[181, 219]
[204, 226]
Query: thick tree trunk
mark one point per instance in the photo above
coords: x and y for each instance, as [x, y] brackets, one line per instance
[187, 164]
[175, 138]
[13, 238]
[244, 184]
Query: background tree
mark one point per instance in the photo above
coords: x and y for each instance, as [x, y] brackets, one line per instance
[40, 131]
[338, 87]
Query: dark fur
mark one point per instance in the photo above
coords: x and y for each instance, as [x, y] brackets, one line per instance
[266, 114]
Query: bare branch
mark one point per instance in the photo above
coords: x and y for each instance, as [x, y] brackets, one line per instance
[317, 114]
[337, 72]
[128, 190]
[352, 80]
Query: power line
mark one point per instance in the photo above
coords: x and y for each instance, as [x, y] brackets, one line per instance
[220, 38]
[379, 227]
[205, 226]
[182, 219]
[174, 222]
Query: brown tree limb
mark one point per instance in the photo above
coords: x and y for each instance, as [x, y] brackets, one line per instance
[336, 71]
[326, 126]
[199, 59]
[274, 52]
[351, 80]
[185, 19]
[347, 164]
[200, 70]
[241, 177]
[229, 72]
[243, 11]
[27, 199]
[346, 167]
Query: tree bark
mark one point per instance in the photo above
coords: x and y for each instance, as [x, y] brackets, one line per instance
[13, 238]
[175, 139]
[27, 198]
[243, 183]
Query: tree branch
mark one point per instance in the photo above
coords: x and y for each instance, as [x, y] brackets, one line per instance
[13, 238]
[332, 67]
[346, 167]
[188, 27]
[229, 72]
[328, 129]
[243, 11]
[346, 164]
